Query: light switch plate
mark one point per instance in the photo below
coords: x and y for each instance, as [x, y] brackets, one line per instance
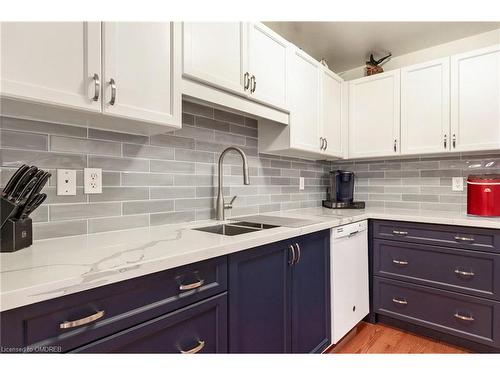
[66, 182]
[301, 183]
[457, 184]
[92, 180]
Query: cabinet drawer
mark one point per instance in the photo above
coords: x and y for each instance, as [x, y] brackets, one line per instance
[473, 318]
[443, 235]
[76, 319]
[198, 328]
[465, 271]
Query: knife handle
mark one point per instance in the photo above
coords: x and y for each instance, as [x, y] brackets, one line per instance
[23, 180]
[39, 184]
[35, 202]
[24, 193]
[12, 181]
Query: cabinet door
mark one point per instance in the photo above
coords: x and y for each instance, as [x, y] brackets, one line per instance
[425, 107]
[52, 62]
[331, 112]
[304, 83]
[475, 100]
[143, 60]
[198, 328]
[259, 300]
[311, 329]
[215, 53]
[268, 55]
[374, 115]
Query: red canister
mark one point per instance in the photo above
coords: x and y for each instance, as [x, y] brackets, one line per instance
[483, 195]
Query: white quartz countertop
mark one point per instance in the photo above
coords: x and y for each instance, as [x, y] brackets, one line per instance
[57, 267]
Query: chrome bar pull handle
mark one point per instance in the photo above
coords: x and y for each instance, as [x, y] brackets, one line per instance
[191, 286]
[462, 238]
[97, 87]
[322, 143]
[454, 141]
[395, 145]
[400, 262]
[298, 252]
[326, 144]
[83, 321]
[196, 349]
[400, 301]
[254, 84]
[445, 142]
[400, 233]
[112, 83]
[291, 261]
[463, 317]
[464, 273]
[246, 81]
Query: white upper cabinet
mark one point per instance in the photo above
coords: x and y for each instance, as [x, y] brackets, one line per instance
[475, 100]
[425, 107]
[52, 62]
[332, 108]
[305, 90]
[374, 115]
[215, 53]
[268, 54]
[142, 70]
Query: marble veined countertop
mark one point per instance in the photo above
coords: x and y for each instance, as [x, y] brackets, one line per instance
[57, 267]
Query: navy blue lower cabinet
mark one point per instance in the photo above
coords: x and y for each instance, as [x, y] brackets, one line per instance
[259, 300]
[77, 319]
[472, 318]
[198, 328]
[279, 297]
[438, 280]
[311, 332]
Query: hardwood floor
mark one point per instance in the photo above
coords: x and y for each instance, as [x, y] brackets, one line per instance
[378, 338]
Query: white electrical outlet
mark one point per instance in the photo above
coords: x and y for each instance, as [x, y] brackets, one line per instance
[457, 184]
[301, 183]
[66, 182]
[92, 180]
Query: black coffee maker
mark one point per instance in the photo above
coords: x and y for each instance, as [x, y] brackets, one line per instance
[340, 193]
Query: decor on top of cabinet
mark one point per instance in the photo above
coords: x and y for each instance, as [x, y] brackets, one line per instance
[374, 66]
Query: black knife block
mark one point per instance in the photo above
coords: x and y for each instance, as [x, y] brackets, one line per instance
[7, 210]
[16, 235]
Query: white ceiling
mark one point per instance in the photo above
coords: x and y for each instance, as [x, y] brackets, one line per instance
[346, 45]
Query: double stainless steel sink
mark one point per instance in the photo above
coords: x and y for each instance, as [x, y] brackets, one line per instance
[233, 229]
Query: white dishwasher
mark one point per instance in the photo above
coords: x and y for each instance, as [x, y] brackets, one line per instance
[349, 277]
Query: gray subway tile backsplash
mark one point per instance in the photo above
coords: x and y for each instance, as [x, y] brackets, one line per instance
[172, 177]
[84, 146]
[118, 164]
[419, 182]
[27, 141]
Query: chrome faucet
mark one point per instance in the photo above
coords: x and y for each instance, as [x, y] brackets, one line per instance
[221, 206]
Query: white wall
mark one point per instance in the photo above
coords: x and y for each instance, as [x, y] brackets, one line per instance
[442, 50]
